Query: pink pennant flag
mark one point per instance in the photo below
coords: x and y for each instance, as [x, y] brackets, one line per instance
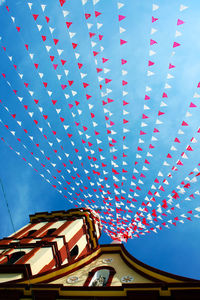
[189, 148]
[62, 2]
[175, 44]
[104, 59]
[68, 24]
[91, 34]
[70, 82]
[151, 146]
[124, 82]
[142, 132]
[123, 61]
[192, 105]
[87, 16]
[63, 86]
[184, 123]
[122, 42]
[176, 140]
[120, 17]
[74, 45]
[154, 19]
[179, 22]
[152, 42]
[99, 70]
[160, 113]
[88, 96]
[144, 116]
[171, 66]
[179, 163]
[125, 103]
[161, 188]
[63, 61]
[150, 63]
[97, 13]
[35, 17]
[85, 84]
[164, 95]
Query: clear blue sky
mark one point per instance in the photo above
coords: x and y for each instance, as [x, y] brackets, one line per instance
[102, 99]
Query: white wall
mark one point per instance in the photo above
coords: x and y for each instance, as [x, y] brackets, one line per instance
[40, 259]
[72, 229]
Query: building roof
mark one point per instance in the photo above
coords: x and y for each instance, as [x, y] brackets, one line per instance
[148, 281]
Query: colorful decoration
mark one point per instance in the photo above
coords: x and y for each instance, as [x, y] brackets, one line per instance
[127, 279]
[72, 279]
[107, 260]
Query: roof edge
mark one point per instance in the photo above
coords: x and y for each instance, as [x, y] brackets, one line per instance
[144, 268]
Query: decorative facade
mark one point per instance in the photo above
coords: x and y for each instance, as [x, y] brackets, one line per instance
[57, 256]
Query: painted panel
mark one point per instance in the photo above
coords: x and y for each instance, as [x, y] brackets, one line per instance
[121, 268]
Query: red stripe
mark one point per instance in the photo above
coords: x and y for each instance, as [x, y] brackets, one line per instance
[37, 233]
[48, 266]
[75, 238]
[18, 234]
[58, 231]
[63, 253]
[27, 256]
[43, 229]
[84, 252]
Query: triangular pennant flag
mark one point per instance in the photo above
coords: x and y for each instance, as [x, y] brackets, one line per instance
[155, 7]
[183, 7]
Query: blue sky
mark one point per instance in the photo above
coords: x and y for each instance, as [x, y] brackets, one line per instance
[100, 104]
